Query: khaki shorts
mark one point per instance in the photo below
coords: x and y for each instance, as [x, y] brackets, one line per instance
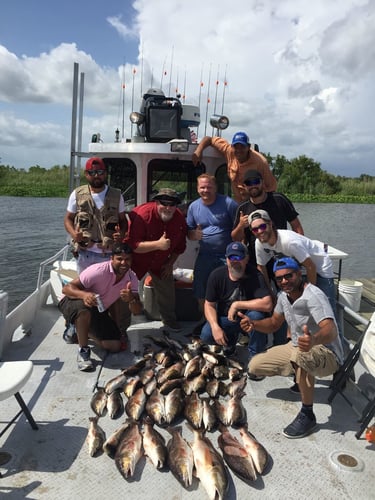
[318, 362]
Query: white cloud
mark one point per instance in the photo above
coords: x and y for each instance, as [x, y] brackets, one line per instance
[299, 77]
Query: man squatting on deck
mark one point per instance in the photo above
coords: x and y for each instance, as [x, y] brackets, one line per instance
[315, 349]
[110, 280]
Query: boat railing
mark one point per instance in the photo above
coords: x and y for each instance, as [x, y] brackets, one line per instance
[62, 254]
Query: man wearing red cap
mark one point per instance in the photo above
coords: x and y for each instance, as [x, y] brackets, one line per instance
[240, 158]
[95, 219]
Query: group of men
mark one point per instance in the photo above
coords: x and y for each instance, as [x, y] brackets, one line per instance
[248, 261]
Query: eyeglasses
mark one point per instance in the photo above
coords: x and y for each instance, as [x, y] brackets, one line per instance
[235, 257]
[252, 182]
[92, 173]
[286, 276]
[168, 203]
[258, 229]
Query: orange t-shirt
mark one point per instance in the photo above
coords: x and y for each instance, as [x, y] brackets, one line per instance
[236, 171]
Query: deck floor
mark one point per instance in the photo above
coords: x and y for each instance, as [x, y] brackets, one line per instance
[53, 462]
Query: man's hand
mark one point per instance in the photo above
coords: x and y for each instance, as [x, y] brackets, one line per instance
[90, 299]
[244, 220]
[232, 312]
[219, 335]
[196, 158]
[164, 242]
[116, 236]
[305, 341]
[126, 293]
[246, 324]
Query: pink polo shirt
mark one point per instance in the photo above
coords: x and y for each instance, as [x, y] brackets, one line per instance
[100, 278]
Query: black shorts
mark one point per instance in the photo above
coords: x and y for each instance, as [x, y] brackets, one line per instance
[102, 325]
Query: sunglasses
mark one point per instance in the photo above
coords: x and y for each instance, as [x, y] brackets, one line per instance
[168, 203]
[257, 229]
[92, 173]
[286, 276]
[235, 257]
[252, 182]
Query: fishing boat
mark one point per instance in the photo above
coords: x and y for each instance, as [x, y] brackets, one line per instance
[52, 461]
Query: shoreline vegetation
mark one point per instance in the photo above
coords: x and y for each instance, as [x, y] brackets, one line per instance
[301, 179]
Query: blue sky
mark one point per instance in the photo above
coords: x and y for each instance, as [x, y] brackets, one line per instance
[300, 74]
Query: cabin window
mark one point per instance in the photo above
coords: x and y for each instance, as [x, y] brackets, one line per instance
[123, 176]
[223, 183]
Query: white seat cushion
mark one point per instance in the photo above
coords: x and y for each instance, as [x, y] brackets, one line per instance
[13, 376]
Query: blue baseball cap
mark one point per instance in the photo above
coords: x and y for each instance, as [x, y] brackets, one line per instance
[241, 138]
[236, 248]
[286, 263]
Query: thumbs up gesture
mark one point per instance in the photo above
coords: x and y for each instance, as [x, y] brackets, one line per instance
[244, 220]
[164, 242]
[305, 341]
[198, 232]
[126, 293]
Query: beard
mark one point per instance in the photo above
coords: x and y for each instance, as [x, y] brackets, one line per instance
[165, 217]
[237, 272]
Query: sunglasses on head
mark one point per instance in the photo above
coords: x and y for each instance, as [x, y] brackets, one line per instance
[257, 229]
[252, 182]
[168, 203]
[235, 257]
[92, 173]
[286, 276]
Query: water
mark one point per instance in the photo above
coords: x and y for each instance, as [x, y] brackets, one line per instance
[32, 230]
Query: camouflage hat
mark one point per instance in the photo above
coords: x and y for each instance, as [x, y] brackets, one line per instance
[167, 194]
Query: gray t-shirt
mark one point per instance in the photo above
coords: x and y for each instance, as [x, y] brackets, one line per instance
[310, 309]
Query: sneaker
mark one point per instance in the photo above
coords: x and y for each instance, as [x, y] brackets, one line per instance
[294, 388]
[70, 334]
[256, 378]
[83, 359]
[229, 350]
[302, 426]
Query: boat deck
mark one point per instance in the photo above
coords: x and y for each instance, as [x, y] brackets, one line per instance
[53, 462]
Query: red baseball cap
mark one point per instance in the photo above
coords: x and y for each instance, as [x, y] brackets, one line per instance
[95, 164]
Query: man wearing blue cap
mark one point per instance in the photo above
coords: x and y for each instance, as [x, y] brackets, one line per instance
[240, 158]
[236, 287]
[315, 349]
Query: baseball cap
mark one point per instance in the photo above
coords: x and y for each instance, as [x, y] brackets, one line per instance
[252, 174]
[259, 214]
[240, 138]
[95, 164]
[286, 263]
[168, 195]
[236, 248]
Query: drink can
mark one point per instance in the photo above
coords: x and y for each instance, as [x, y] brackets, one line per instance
[325, 246]
[99, 303]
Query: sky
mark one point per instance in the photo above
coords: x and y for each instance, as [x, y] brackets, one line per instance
[298, 76]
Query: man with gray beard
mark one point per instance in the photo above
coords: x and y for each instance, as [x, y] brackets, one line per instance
[157, 234]
[236, 287]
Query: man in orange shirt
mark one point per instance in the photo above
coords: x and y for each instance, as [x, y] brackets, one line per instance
[240, 158]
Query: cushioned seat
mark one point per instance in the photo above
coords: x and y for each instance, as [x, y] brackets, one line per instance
[13, 376]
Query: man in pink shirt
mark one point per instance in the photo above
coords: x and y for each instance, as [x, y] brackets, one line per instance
[95, 301]
[240, 158]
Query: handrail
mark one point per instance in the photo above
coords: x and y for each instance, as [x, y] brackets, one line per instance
[62, 252]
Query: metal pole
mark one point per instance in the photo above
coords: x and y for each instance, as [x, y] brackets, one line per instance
[80, 120]
[74, 128]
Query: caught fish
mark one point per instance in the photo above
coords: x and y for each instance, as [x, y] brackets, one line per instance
[210, 357]
[212, 388]
[174, 404]
[150, 386]
[220, 411]
[98, 402]
[137, 367]
[221, 372]
[236, 456]
[255, 449]
[236, 413]
[198, 383]
[193, 410]
[233, 363]
[193, 367]
[208, 415]
[136, 404]
[95, 436]
[237, 386]
[146, 375]
[111, 444]
[131, 386]
[155, 407]
[172, 342]
[234, 373]
[116, 383]
[209, 467]
[115, 404]
[129, 450]
[154, 444]
[169, 385]
[180, 458]
[174, 371]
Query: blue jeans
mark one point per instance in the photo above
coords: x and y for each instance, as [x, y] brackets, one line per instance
[204, 265]
[257, 342]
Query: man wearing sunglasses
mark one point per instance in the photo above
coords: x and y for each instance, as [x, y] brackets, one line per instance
[236, 287]
[157, 234]
[315, 349]
[95, 216]
[239, 158]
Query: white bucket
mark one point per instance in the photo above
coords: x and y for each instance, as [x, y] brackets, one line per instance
[350, 293]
